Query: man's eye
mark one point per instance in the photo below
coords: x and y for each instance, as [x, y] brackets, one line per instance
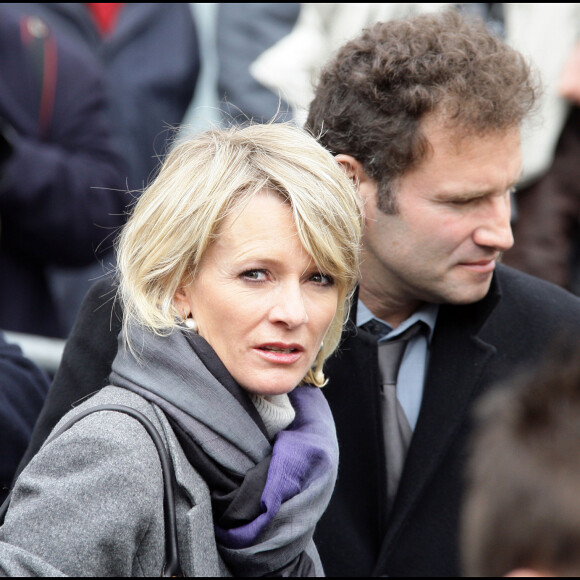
[461, 202]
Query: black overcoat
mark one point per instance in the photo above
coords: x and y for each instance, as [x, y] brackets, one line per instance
[474, 346]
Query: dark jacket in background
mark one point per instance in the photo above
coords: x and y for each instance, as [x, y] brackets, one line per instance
[151, 63]
[23, 388]
[59, 195]
[474, 346]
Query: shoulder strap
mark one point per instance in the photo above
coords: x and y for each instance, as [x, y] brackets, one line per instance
[171, 567]
[43, 58]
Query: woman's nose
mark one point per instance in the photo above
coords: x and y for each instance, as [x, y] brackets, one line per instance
[289, 307]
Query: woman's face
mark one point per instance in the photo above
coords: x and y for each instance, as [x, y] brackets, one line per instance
[259, 299]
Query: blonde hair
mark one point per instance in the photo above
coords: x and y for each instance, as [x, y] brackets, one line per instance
[206, 177]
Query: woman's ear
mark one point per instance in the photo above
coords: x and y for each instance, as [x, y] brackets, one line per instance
[182, 303]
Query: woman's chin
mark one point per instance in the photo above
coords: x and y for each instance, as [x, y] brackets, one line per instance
[276, 382]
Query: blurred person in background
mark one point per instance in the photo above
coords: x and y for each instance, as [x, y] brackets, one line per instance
[23, 388]
[59, 170]
[288, 69]
[243, 32]
[546, 220]
[150, 56]
[521, 513]
[569, 89]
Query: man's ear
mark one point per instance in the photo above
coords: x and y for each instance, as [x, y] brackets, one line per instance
[353, 168]
[366, 186]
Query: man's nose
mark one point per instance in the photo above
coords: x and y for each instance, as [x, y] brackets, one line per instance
[495, 229]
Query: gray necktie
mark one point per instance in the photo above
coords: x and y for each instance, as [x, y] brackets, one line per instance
[396, 428]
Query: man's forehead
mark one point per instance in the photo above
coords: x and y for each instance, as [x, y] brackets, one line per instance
[440, 129]
[459, 162]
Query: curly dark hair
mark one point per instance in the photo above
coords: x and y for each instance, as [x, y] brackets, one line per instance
[372, 96]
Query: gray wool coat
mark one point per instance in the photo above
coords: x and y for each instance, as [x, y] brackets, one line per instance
[90, 503]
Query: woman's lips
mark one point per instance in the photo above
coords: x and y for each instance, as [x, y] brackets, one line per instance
[280, 353]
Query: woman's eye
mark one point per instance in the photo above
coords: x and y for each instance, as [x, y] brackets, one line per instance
[254, 275]
[322, 279]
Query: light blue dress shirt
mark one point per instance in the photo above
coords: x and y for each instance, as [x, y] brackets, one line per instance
[411, 378]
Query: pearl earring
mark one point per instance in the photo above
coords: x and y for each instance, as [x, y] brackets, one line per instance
[191, 324]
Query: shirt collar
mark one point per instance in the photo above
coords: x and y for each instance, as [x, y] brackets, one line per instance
[427, 314]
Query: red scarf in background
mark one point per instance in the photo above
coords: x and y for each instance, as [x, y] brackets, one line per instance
[105, 15]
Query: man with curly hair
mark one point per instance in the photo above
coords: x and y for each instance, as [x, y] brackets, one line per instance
[425, 115]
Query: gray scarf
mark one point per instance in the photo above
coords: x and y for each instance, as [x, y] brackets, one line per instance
[267, 497]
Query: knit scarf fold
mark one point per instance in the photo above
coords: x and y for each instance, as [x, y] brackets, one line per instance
[266, 498]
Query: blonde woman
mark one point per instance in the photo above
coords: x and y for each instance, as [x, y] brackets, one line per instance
[236, 268]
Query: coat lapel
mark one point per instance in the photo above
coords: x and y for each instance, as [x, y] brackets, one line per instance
[458, 360]
[350, 532]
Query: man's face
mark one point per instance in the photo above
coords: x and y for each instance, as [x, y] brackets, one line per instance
[452, 225]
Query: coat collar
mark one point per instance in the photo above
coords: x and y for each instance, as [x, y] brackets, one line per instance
[476, 313]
